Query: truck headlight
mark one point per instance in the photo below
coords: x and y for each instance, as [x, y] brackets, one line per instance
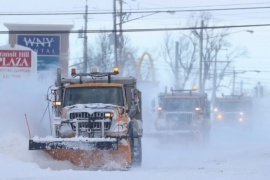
[241, 119]
[56, 103]
[219, 116]
[108, 115]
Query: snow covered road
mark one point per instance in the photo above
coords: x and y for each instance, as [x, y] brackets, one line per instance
[230, 154]
[225, 157]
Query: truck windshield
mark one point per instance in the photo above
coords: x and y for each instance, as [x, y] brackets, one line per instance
[234, 106]
[86, 95]
[180, 104]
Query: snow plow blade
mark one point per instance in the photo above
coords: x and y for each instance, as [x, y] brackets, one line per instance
[166, 134]
[86, 144]
[184, 135]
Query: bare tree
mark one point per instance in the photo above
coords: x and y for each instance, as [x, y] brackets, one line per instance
[230, 56]
[128, 63]
[103, 57]
[187, 55]
[214, 41]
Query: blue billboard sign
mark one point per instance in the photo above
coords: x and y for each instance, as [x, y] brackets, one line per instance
[43, 44]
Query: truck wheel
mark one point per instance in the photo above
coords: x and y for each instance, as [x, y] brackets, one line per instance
[206, 130]
[131, 140]
[136, 147]
[137, 156]
[206, 134]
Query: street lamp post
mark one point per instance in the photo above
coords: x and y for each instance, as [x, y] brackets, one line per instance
[240, 72]
[215, 71]
[233, 88]
[200, 36]
[176, 65]
[234, 73]
[215, 81]
[215, 75]
[201, 58]
[117, 28]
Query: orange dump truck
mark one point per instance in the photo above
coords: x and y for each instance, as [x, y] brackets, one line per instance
[97, 121]
[183, 112]
[234, 110]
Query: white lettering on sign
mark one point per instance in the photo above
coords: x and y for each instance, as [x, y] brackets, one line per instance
[18, 62]
[15, 58]
[24, 54]
[43, 51]
[8, 54]
[45, 42]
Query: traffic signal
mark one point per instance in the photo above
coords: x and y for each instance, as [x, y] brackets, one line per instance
[261, 91]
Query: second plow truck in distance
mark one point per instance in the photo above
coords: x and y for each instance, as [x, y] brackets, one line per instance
[183, 113]
[234, 111]
[97, 121]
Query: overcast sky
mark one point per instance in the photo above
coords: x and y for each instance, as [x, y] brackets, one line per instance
[257, 43]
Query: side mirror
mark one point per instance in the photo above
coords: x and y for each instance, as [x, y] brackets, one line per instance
[46, 98]
[153, 104]
[132, 94]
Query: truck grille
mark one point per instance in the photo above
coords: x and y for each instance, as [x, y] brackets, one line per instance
[178, 121]
[230, 116]
[84, 116]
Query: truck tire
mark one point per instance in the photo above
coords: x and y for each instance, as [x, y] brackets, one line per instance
[137, 156]
[136, 147]
[131, 139]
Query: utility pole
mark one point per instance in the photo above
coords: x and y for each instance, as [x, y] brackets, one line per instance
[234, 73]
[214, 86]
[85, 55]
[118, 33]
[115, 33]
[201, 58]
[176, 65]
[120, 37]
[215, 80]
[241, 87]
[259, 90]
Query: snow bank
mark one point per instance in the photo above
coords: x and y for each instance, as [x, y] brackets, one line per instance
[21, 99]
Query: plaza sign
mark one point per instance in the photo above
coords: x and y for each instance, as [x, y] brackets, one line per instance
[15, 58]
[17, 62]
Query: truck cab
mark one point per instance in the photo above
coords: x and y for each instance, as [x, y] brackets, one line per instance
[234, 110]
[183, 111]
[96, 119]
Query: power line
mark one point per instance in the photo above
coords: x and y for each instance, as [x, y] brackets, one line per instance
[134, 12]
[134, 30]
[45, 12]
[223, 5]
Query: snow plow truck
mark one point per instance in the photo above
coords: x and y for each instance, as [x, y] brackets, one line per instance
[234, 110]
[183, 113]
[97, 121]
